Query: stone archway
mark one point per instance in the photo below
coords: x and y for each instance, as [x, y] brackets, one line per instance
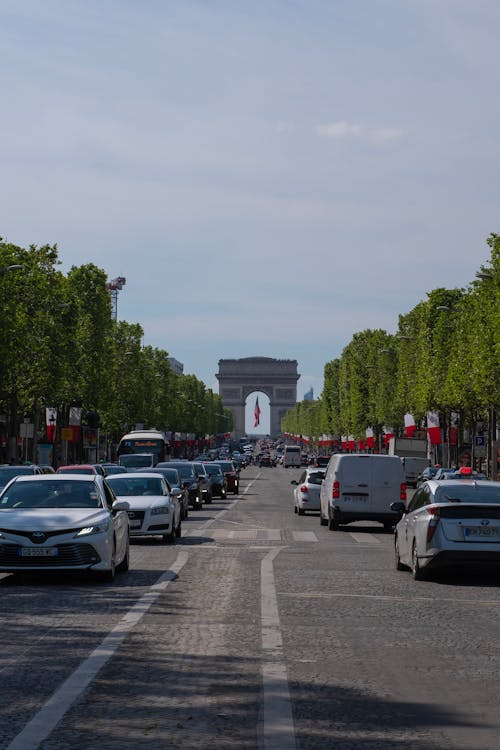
[277, 378]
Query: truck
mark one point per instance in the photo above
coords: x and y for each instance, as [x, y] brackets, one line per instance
[413, 455]
[291, 456]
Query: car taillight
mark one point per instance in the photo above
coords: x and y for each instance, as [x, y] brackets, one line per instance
[433, 523]
[304, 488]
[336, 489]
[402, 491]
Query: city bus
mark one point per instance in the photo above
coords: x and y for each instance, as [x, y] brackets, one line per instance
[144, 441]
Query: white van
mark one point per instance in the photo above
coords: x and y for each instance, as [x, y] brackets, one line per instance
[291, 455]
[361, 487]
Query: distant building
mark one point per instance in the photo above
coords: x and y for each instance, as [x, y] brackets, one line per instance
[176, 366]
[309, 396]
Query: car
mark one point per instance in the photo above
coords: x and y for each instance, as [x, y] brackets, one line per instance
[265, 460]
[110, 469]
[306, 495]
[201, 473]
[361, 487]
[448, 523]
[152, 510]
[428, 473]
[188, 478]
[218, 483]
[232, 476]
[61, 522]
[444, 472]
[133, 461]
[321, 461]
[7, 472]
[174, 484]
[81, 469]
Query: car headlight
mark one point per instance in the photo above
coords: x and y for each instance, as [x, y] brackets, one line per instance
[101, 528]
[160, 510]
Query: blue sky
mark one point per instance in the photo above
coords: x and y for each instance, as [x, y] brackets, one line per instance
[270, 177]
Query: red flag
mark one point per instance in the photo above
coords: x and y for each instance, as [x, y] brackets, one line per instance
[256, 412]
[410, 425]
[433, 428]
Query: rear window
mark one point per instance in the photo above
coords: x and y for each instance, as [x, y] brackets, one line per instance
[316, 477]
[468, 493]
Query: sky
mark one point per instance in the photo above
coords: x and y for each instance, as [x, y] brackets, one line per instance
[270, 176]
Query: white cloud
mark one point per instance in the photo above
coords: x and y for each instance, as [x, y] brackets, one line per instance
[339, 129]
[387, 134]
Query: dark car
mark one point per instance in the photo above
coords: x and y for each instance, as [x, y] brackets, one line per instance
[9, 472]
[265, 460]
[232, 476]
[201, 473]
[175, 486]
[217, 479]
[321, 461]
[189, 480]
[428, 473]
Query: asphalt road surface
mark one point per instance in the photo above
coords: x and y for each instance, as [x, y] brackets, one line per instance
[258, 630]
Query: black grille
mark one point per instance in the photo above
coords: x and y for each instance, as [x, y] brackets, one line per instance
[69, 555]
[47, 534]
[470, 511]
[136, 515]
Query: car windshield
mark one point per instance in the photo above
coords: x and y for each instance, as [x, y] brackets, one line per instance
[65, 494]
[136, 459]
[185, 471]
[468, 493]
[213, 470]
[226, 465]
[127, 486]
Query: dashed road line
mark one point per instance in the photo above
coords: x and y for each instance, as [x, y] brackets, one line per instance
[47, 718]
[364, 538]
[304, 536]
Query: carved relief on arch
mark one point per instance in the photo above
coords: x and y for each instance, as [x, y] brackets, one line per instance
[248, 390]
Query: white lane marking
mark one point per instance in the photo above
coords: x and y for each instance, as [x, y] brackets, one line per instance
[304, 536]
[278, 724]
[44, 722]
[269, 535]
[385, 598]
[364, 538]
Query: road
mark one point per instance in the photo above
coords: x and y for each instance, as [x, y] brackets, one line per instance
[260, 630]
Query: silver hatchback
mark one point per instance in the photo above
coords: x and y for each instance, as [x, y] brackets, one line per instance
[307, 489]
[448, 523]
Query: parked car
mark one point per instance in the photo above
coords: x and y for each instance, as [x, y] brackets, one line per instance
[448, 523]
[306, 495]
[152, 511]
[361, 487]
[55, 522]
[175, 487]
[8, 472]
[189, 480]
[232, 476]
[218, 483]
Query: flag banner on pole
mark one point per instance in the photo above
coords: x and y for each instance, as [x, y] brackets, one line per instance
[433, 428]
[256, 412]
[388, 434]
[51, 422]
[410, 425]
[370, 440]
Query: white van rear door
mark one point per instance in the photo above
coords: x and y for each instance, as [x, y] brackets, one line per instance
[387, 476]
[355, 479]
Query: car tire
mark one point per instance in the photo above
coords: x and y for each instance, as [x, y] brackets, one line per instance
[109, 575]
[223, 495]
[323, 521]
[301, 512]
[416, 571]
[169, 538]
[125, 563]
[398, 563]
[178, 529]
[333, 522]
[388, 525]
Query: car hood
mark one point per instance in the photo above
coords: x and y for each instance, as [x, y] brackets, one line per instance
[141, 502]
[51, 519]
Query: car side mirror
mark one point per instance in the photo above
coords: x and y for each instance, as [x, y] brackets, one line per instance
[398, 507]
[294, 481]
[120, 505]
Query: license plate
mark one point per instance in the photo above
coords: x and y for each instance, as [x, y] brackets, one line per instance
[134, 523]
[38, 552]
[482, 532]
[355, 498]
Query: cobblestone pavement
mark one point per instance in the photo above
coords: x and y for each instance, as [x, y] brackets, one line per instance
[371, 659]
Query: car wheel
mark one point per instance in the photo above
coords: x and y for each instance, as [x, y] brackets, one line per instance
[223, 494]
[323, 521]
[399, 564]
[178, 529]
[301, 512]
[333, 522]
[388, 525]
[235, 492]
[169, 538]
[208, 500]
[109, 575]
[125, 563]
[417, 572]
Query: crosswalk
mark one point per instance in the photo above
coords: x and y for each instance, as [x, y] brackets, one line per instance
[280, 535]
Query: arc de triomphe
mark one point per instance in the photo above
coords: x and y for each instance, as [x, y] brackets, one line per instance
[277, 378]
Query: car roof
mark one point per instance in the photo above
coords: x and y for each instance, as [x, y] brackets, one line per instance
[136, 475]
[58, 477]
[435, 483]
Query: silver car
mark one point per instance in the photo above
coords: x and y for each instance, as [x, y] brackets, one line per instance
[306, 493]
[55, 522]
[448, 523]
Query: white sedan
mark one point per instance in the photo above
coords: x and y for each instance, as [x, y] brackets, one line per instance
[152, 510]
[306, 495]
[56, 522]
[449, 523]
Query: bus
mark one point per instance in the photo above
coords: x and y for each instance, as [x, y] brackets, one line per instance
[144, 441]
